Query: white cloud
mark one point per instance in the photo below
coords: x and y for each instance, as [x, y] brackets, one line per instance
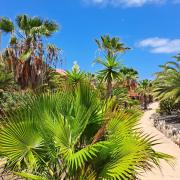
[124, 3]
[161, 45]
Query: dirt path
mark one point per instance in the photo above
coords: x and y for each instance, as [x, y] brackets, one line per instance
[167, 146]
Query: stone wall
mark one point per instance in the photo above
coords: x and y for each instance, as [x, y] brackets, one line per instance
[169, 126]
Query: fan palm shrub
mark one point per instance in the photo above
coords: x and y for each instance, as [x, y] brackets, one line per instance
[75, 135]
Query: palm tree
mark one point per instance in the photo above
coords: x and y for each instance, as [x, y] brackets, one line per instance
[122, 96]
[145, 89]
[129, 77]
[109, 73]
[167, 83]
[56, 136]
[25, 53]
[111, 47]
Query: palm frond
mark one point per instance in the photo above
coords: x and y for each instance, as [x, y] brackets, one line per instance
[6, 25]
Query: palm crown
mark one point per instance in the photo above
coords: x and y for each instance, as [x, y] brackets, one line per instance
[110, 71]
[29, 26]
[111, 46]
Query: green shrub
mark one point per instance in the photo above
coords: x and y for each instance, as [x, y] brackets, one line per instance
[168, 106]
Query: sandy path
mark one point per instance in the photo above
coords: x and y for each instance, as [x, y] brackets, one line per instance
[167, 146]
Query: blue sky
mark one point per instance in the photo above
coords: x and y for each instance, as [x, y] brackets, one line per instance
[150, 27]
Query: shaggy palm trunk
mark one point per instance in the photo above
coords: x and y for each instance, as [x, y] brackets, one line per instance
[25, 75]
[109, 88]
[14, 68]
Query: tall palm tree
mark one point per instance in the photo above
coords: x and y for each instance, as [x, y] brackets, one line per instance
[56, 136]
[25, 53]
[111, 47]
[109, 73]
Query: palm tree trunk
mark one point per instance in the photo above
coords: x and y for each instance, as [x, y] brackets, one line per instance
[125, 105]
[150, 98]
[145, 102]
[109, 88]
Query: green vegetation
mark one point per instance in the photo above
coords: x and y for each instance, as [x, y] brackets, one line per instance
[75, 125]
[8, 95]
[74, 135]
[167, 86]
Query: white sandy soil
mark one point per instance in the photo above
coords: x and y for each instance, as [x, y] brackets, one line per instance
[167, 146]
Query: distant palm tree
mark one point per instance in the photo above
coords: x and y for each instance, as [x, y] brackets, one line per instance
[145, 89]
[109, 73]
[111, 48]
[129, 77]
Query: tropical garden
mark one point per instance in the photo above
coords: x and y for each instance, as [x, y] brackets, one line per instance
[74, 124]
